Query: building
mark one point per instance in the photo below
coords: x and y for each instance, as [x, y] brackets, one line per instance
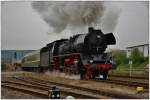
[10, 56]
[142, 48]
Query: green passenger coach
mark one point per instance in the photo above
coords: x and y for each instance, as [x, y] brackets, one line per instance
[31, 61]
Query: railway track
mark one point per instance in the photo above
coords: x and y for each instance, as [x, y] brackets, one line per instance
[133, 77]
[41, 90]
[25, 89]
[130, 83]
[102, 92]
[136, 79]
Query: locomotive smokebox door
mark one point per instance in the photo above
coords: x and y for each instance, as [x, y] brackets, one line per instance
[54, 93]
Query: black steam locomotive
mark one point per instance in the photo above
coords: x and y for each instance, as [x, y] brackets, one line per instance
[82, 54]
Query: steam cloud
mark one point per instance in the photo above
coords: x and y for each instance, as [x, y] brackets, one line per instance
[60, 15]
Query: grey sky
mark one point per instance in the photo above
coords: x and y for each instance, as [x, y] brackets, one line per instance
[23, 28]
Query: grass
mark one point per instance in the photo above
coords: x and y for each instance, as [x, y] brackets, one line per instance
[137, 70]
[134, 66]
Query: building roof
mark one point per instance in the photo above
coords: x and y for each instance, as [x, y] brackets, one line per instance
[137, 46]
[10, 55]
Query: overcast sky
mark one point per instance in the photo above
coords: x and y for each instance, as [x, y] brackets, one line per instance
[23, 28]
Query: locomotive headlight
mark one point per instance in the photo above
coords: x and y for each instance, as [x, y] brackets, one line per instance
[58, 95]
[75, 61]
[53, 96]
[91, 61]
[98, 36]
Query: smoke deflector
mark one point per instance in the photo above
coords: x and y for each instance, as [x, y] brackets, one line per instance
[110, 39]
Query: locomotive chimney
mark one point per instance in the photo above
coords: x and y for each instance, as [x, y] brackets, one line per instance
[91, 29]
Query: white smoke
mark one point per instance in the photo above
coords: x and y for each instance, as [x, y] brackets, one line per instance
[61, 15]
[110, 18]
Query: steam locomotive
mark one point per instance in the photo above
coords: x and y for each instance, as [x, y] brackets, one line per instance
[82, 54]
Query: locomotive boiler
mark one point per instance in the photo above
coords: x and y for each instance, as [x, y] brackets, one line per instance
[82, 54]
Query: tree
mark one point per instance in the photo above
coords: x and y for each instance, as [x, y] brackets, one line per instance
[119, 56]
[136, 56]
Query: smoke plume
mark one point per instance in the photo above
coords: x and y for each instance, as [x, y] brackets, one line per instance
[63, 14]
[110, 18]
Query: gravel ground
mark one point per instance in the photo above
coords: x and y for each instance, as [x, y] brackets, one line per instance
[5, 93]
[11, 94]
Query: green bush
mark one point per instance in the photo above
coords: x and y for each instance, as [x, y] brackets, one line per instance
[119, 56]
[136, 56]
[138, 59]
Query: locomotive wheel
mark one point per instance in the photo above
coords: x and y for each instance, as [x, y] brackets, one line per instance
[81, 70]
[105, 73]
[93, 76]
[41, 70]
[87, 76]
[82, 74]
